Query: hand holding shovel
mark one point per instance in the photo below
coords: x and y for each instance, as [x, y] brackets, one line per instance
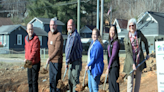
[28, 64]
[44, 70]
[60, 84]
[105, 82]
[122, 76]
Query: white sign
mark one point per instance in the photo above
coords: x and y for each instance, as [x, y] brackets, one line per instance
[159, 48]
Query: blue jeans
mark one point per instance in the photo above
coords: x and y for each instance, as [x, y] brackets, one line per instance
[93, 82]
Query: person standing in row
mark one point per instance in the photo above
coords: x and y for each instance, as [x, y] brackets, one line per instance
[95, 63]
[32, 53]
[55, 53]
[113, 59]
[73, 53]
[134, 54]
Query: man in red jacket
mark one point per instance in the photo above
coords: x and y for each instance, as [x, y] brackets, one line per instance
[32, 53]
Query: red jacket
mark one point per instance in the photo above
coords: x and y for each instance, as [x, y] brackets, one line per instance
[32, 49]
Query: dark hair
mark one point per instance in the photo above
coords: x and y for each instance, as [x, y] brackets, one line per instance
[98, 35]
[115, 31]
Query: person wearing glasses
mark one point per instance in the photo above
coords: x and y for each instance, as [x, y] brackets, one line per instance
[134, 54]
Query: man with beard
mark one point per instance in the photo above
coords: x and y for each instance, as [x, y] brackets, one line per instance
[73, 53]
[55, 52]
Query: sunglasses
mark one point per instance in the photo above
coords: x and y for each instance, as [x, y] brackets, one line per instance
[131, 25]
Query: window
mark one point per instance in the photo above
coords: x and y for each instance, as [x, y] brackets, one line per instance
[19, 39]
[1, 39]
[19, 28]
[40, 38]
[5, 40]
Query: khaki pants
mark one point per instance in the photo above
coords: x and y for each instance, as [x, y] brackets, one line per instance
[73, 74]
[137, 81]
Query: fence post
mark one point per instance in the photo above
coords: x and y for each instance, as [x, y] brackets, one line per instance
[44, 52]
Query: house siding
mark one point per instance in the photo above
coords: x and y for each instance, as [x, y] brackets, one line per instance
[46, 27]
[44, 42]
[37, 23]
[150, 29]
[13, 39]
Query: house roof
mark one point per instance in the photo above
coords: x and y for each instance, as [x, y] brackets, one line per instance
[46, 21]
[122, 23]
[149, 28]
[147, 31]
[5, 21]
[89, 29]
[159, 17]
[7, 29]
[38, 31]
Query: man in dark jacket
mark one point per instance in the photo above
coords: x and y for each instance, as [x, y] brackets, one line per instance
[73, 54]
[32, 54]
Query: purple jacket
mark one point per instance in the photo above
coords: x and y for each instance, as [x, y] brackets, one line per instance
[113, 56]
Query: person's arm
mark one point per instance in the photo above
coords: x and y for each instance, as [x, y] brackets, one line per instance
[115, 51]
[70, 48]
[35, 49]
[58, 47]
[143, 38]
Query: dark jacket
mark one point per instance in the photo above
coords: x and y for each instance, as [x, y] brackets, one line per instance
[129, 53]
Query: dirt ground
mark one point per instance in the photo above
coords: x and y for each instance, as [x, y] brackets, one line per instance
[14, 78]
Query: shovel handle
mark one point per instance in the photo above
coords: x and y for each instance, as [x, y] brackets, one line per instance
[84, 78]
[105, 81]
[46, 65]
[138, 66]
[64, 74]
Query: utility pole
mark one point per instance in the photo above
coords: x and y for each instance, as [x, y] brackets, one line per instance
[102, 14]
[110, 14]
[97, 26]
[78, 17]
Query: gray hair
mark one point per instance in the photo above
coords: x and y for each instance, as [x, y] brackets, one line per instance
[54, 19]
[132, 20]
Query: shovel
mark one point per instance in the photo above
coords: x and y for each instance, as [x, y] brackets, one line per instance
[60, 84]
[80, 87]
[104, 84]
[121, 78]
[44, 70]
[64, 74]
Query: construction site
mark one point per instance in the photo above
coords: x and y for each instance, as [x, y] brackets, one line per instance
[14, 78]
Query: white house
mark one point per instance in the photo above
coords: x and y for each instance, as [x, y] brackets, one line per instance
[121, 24]
[151, 25]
